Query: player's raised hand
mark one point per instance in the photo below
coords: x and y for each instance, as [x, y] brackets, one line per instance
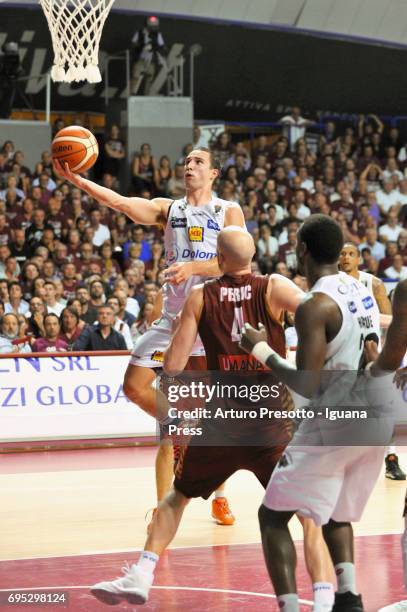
[64, 171]
[251, 336]
[178, 273]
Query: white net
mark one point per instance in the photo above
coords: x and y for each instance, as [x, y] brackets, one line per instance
[76, 27]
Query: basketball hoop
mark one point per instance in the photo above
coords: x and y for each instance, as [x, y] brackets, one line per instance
[76, 27]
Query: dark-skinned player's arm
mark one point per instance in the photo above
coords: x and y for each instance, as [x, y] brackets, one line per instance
[395, 346]
[311, 322]
[139, 210]
[179, 350]
[180, 272]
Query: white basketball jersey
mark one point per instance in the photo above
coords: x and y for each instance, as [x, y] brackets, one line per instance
[367, 280]
[360, 319]
[191, 234]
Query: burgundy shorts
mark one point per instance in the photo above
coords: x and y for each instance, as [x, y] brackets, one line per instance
[200, 470]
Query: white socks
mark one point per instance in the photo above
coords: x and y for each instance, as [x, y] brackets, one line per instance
[219, 494]
[147, 562]
[324, 596]
[345, 575]
[289, 602]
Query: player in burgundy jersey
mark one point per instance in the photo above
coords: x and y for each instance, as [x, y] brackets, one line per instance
[217, 310]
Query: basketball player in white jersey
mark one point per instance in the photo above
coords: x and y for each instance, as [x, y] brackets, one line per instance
[349, 262]
[330, 484]
[191, 228]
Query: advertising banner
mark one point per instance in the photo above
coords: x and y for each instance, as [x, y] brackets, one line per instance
[67, 397]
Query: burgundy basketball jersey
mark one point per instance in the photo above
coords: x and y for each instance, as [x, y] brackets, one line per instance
[229, 302]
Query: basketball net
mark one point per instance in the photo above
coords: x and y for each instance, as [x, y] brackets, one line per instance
[76, 27]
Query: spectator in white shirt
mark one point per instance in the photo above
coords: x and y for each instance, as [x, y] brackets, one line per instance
[392, 229]
[199, 139]
[403, 192]
[376, 248]
[267, 249]
[120, 325]
[101, 232]
[132, 305]
[50, 299]
[392, 170]
[16, 303]
[294, 126]
[11, 185]
[306, 182]
[397, 271]
[291, 226]
[387, 197]
[402, 156]
[302, 209]
[45, 182]
[9, 340]
[267, 245]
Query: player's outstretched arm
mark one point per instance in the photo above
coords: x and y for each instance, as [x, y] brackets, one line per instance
[179, 350]
[283, 294]
[139, 210]
[178, 273]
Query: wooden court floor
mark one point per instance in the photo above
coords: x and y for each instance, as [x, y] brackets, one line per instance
[56, 504]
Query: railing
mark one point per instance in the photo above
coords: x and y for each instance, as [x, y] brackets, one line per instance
[26, 96]
[170, 75]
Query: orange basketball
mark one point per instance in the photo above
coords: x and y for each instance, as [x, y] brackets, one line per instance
[76, 146]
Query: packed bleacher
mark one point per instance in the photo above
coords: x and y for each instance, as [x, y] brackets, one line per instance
[75, 275]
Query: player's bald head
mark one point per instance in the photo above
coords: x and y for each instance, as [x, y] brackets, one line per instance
[235, 248]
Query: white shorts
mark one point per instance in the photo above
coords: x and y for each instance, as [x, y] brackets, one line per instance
[324, 482]
[149, 349]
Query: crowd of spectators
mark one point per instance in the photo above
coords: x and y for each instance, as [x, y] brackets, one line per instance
[75, 275]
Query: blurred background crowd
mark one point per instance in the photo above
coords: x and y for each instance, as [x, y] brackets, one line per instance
[74, 275]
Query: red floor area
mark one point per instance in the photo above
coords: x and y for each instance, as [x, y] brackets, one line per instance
[237, 570]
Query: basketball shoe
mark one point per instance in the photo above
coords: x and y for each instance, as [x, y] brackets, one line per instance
[348, 602]
[221, 511]
[133, 587]
[393, 469]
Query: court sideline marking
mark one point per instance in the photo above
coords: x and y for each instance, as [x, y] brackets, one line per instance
[168, 588]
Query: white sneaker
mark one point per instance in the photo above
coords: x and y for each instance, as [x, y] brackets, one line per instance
[134, 587]
[400, 606]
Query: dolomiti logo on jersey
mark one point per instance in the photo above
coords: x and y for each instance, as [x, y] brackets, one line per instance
[196, 234]
[189, 253]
